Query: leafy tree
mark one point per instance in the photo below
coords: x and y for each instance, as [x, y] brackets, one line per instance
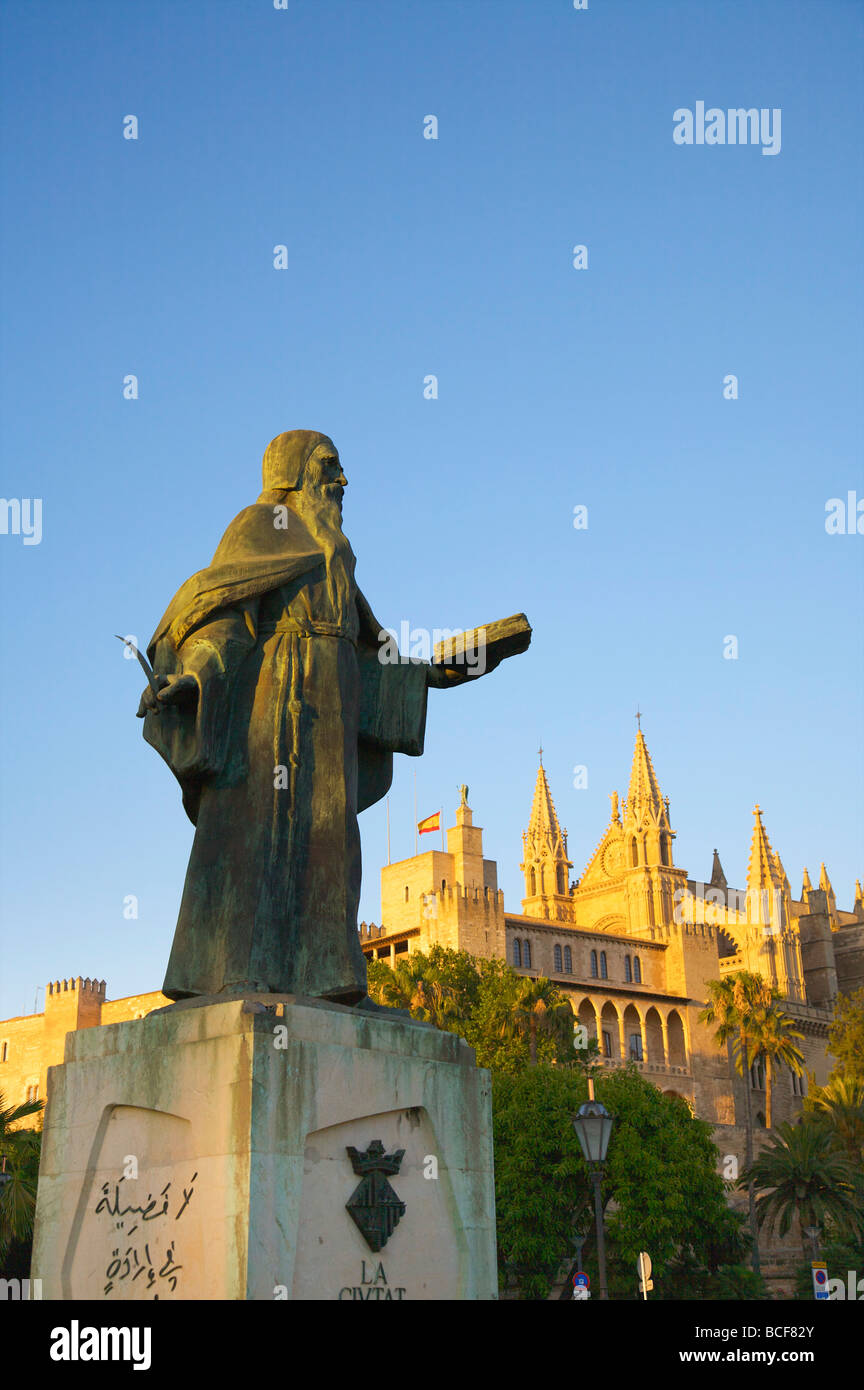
[487, 1003]
[519, 1022]
[460, 972]
[661, 1186]
[541, 1185]
[802, 1173]
[846, 1038]
[19, 1148]
[663, 1178]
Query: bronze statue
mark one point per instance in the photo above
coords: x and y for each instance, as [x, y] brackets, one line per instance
[271, 706]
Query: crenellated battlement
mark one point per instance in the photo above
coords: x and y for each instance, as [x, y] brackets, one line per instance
[70, 986]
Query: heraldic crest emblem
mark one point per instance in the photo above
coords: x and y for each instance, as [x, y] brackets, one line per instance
[373, 1206]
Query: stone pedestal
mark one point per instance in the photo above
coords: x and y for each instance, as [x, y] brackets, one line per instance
[209, 1150]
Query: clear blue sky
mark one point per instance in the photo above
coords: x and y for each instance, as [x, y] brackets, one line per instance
[557, 387]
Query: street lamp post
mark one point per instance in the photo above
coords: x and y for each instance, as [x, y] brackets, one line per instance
[813, 1233]
[593, 1126]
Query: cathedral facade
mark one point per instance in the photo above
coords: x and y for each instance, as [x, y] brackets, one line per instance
[634, 941]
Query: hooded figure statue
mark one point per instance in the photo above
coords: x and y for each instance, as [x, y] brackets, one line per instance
[280, 722]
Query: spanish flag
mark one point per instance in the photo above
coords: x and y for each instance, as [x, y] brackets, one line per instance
[430, 823]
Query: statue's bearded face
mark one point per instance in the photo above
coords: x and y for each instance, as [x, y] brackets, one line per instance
[324, 482]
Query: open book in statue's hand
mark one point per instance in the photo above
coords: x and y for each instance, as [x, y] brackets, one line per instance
[468, 655]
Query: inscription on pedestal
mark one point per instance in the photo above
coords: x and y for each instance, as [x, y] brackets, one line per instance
[142, 1250]
[373, 1287]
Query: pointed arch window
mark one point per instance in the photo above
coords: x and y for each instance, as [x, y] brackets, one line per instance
[526, 954]
[634, 852]
[628, 969]
[604, 969]
[637, 970]
[559, 959]
[568, 961]
[593, 965]
[562, 880]
[517, 952]
[533, 882]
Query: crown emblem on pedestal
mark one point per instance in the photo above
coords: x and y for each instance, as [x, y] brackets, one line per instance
[373, 1206]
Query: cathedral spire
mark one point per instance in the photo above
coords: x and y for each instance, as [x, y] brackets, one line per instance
[646, 813]
[643, 796]
[806, 885]
[830, 899]
[858, 908]
[768, 897]
[762, 870]
[543, 825]
[544, 852]
[718, 878]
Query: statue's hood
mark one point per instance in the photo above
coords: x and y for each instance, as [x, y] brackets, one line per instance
[253, 557]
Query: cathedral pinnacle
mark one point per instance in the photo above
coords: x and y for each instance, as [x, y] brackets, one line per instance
[643, 796]
[543, 827]
[763, 870]
[544, 847]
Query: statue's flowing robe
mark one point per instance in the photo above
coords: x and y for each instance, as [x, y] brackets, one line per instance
[293, 734]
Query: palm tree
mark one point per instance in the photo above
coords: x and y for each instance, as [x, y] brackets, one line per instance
[771, 1035]
[732, 1002]
[399, 985]
[802, 1174]
[539, 1008]
[436, 1003]
[19, 1162]
[841, 1105]
[411, 985]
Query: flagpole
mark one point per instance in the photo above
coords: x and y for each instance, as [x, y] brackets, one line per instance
[387, 805]
[416, 842]
[441, 823]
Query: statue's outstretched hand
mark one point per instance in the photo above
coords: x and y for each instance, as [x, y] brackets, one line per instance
[173, 690]
[443, 677]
